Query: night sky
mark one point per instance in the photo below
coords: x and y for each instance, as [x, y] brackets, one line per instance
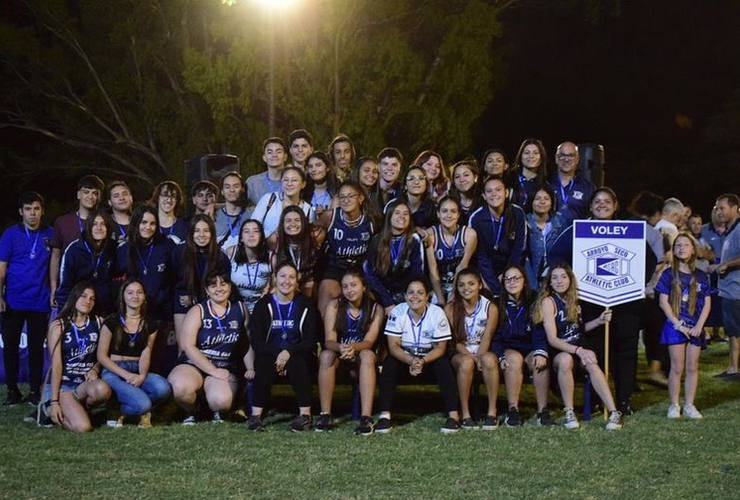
[645, 84]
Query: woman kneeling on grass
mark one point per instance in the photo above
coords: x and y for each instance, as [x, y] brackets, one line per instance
[212, 341]
[73, 340]
[417, 333]
[518, 346]
[283, 335]
[352, 324]
[685, 299]
[125, 350]
[557, 311]
[473, 319]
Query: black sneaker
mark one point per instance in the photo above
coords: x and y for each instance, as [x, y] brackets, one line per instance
[217, 419]
[544, 419]
[365, 427]
[255, 424]
[39, 417]
[34, 398]
[300, 423]
[625, 408]
[324, 423]
[490, 423]
[384, 426]
[14, 397]
[451, 426]
[469, 424]
[513, 418]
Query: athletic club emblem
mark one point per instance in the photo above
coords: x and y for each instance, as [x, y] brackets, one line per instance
[608, 266]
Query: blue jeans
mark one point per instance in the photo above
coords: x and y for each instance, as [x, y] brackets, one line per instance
[137, 401]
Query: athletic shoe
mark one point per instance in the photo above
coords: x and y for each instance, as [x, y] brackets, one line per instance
[674, 411]
[725, 375]
[615, 421]
[14, 397]
[189, 420]
[365, 427]
[241, 414]
[490, 423]
[513, 418]
[451, 426]
[658, 378]
[324, 423]
[690, 411]
[39, 417]
[216, 419]
[571, 421]
[384, 426]
[300, 423]
[544, 419]
[469, 424]
[255, 424]
[145, 421]
[34, 398]
[115, 419]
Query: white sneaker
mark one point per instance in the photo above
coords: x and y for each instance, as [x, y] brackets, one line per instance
[615, 421]
[690, 411]
[571, 421]
[674, 411]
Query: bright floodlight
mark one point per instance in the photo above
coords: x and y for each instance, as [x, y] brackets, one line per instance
[276, 4]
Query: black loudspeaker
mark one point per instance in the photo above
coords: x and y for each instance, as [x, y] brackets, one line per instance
[208, 168]
[591, 164]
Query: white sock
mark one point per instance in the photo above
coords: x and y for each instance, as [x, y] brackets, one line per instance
[384, 414]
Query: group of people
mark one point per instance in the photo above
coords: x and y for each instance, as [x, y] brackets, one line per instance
[339, 261]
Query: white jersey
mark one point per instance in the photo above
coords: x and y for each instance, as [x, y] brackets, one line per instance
[475, 324]
[418, 338]
[251, 280]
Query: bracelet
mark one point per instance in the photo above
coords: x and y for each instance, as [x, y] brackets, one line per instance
[54, 402]
[576, 351]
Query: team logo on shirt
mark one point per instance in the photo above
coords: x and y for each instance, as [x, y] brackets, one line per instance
[160, 268]
[578, 195]
[608, 266]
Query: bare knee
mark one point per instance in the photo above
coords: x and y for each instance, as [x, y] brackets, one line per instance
[326, 358]
[367, 357]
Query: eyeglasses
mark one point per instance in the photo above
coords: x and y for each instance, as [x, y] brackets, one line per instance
[413, 178]
[564, 156]
[167, 196]
[347, 197]
[513, 279]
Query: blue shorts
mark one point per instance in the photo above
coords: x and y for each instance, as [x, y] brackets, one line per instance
[731, 317]
[69, 387]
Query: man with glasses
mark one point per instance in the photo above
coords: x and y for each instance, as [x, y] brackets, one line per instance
[572, 191]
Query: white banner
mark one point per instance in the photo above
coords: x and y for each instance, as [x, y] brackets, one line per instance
[609, 261]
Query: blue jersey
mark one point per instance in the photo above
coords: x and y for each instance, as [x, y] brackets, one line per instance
[220, 337]
[569, 331]
[346, 245]
[27, 253]
[516, 332]
[448, 257]
[351, 333]
[154, 267]
[79, 349]
[669, 335]
[79, 263]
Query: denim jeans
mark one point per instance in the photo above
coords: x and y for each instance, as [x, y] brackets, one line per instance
[137, 401]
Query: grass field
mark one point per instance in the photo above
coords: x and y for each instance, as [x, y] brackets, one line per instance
[651, 458]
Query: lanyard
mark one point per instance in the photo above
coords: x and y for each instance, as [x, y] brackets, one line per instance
[296, 261]
[122, 231]
[252, 282]
[145, 265]
[95, 263]
[218, 319]
[280, 315]
[323, 201]
[234, 226]
[508, 316]
[81, 342]
[500, 223]
[32, 252]
[396, 246]
[470, 325]
[448, 251]
[565, 193]
[414, 326]
[272, 185]
[80, 224]
[162, 231]
[132, 337]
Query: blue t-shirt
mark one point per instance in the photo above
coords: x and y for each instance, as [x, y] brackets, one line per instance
[729, 283]
[27, 254]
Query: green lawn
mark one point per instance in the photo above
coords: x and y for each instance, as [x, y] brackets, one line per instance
[651, 457]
